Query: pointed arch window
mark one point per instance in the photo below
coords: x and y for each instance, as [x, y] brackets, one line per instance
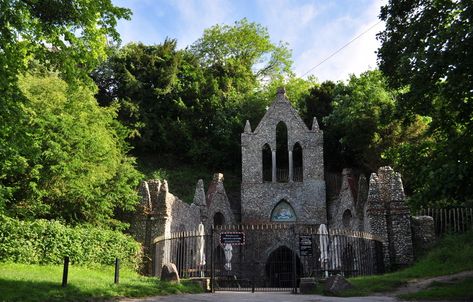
[282, 154]
[267, 163]
[298, 167]
[283, 212]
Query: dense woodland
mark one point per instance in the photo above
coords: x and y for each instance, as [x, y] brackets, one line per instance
[80, 114]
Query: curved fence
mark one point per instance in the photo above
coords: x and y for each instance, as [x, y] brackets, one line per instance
[269, 256]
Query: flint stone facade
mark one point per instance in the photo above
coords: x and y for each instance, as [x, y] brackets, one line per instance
[376, 205]
[259, 198]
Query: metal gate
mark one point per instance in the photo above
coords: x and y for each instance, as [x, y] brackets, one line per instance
[269, 257]
[273, 257]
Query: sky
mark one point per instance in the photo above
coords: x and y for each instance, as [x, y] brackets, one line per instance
[314, 29]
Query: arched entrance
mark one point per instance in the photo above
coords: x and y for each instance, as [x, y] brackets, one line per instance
[280, 267]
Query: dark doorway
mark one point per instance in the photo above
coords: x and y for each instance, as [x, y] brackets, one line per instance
[219, 219]
[280, 268]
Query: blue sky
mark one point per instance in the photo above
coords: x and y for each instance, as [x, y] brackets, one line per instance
[314, 29]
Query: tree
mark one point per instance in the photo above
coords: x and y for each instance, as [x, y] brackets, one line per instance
[364, 121]
[244, 49]
[68, 36]
[427, 52]
[70, 158]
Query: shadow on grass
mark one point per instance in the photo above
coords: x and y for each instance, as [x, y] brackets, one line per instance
[29, 291]
[18, 290]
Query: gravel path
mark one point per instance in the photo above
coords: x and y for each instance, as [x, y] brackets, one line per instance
[416, 285]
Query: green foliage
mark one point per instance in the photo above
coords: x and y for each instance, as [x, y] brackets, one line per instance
[241, 53]
[193, 103]
[427, 52]
[452, 254]
[361, 123]
[69, 36]
[34, 283]
[65, 157]
[182, 178]
[45, 136]
[48, 241]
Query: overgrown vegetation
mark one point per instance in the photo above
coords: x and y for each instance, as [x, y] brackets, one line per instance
[452, 254]
[31, 283]
[48, 241]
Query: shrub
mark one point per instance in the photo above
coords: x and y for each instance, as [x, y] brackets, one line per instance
[48, 241]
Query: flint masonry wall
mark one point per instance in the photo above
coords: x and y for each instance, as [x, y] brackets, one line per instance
[387, 216]
[159, 214]
[258, 198]
[217, 202]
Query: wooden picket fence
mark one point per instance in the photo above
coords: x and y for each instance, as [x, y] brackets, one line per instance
[450, 220]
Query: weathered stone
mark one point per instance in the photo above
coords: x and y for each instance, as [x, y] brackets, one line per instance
[307, 286]
[377, 207]
[247, 127]
[218, 203]
[423, 234]
[306, 197]
[334, 285]
[169, 273]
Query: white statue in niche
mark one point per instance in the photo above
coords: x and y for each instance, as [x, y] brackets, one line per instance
[283, 212]
[227, 250]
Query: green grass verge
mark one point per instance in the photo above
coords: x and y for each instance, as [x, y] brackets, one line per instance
[452, 254]
[26, 282]
[462, 290]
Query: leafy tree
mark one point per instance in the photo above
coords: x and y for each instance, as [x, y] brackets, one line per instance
[427, 52]
[244, 50]
[147, 81]
[70, 161]
[365, 123]
[67, 36]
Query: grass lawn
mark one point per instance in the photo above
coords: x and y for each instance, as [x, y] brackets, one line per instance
[462, 290]
[453, 254]
[25, 282]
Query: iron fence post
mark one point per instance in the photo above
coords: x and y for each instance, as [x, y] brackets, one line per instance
[294, 259]
[212, 267]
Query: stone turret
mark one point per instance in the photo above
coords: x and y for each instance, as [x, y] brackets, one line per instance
[387, 216]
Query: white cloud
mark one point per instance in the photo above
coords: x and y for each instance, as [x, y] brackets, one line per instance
[313, 29]
[195, 16]
[355, 58]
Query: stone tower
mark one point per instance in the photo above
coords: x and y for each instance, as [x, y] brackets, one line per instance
[282, 168]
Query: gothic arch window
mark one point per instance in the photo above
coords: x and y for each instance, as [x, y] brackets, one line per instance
[298, 167]
[219, 219]
[267, 163]
[282, 154]
[283, 212]
[347, 218]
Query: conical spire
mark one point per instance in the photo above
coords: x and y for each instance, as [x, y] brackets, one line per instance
[315, 124]
[199, 195]
[247, 127]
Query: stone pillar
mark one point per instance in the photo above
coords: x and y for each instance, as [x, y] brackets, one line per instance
[423, 234]
[399, 230]
[291, 165]
[375, 216]
[273, 161]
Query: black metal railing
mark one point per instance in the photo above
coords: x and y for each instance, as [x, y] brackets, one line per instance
[273, 257]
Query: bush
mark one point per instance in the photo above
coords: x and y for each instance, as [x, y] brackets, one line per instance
[47, 242]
